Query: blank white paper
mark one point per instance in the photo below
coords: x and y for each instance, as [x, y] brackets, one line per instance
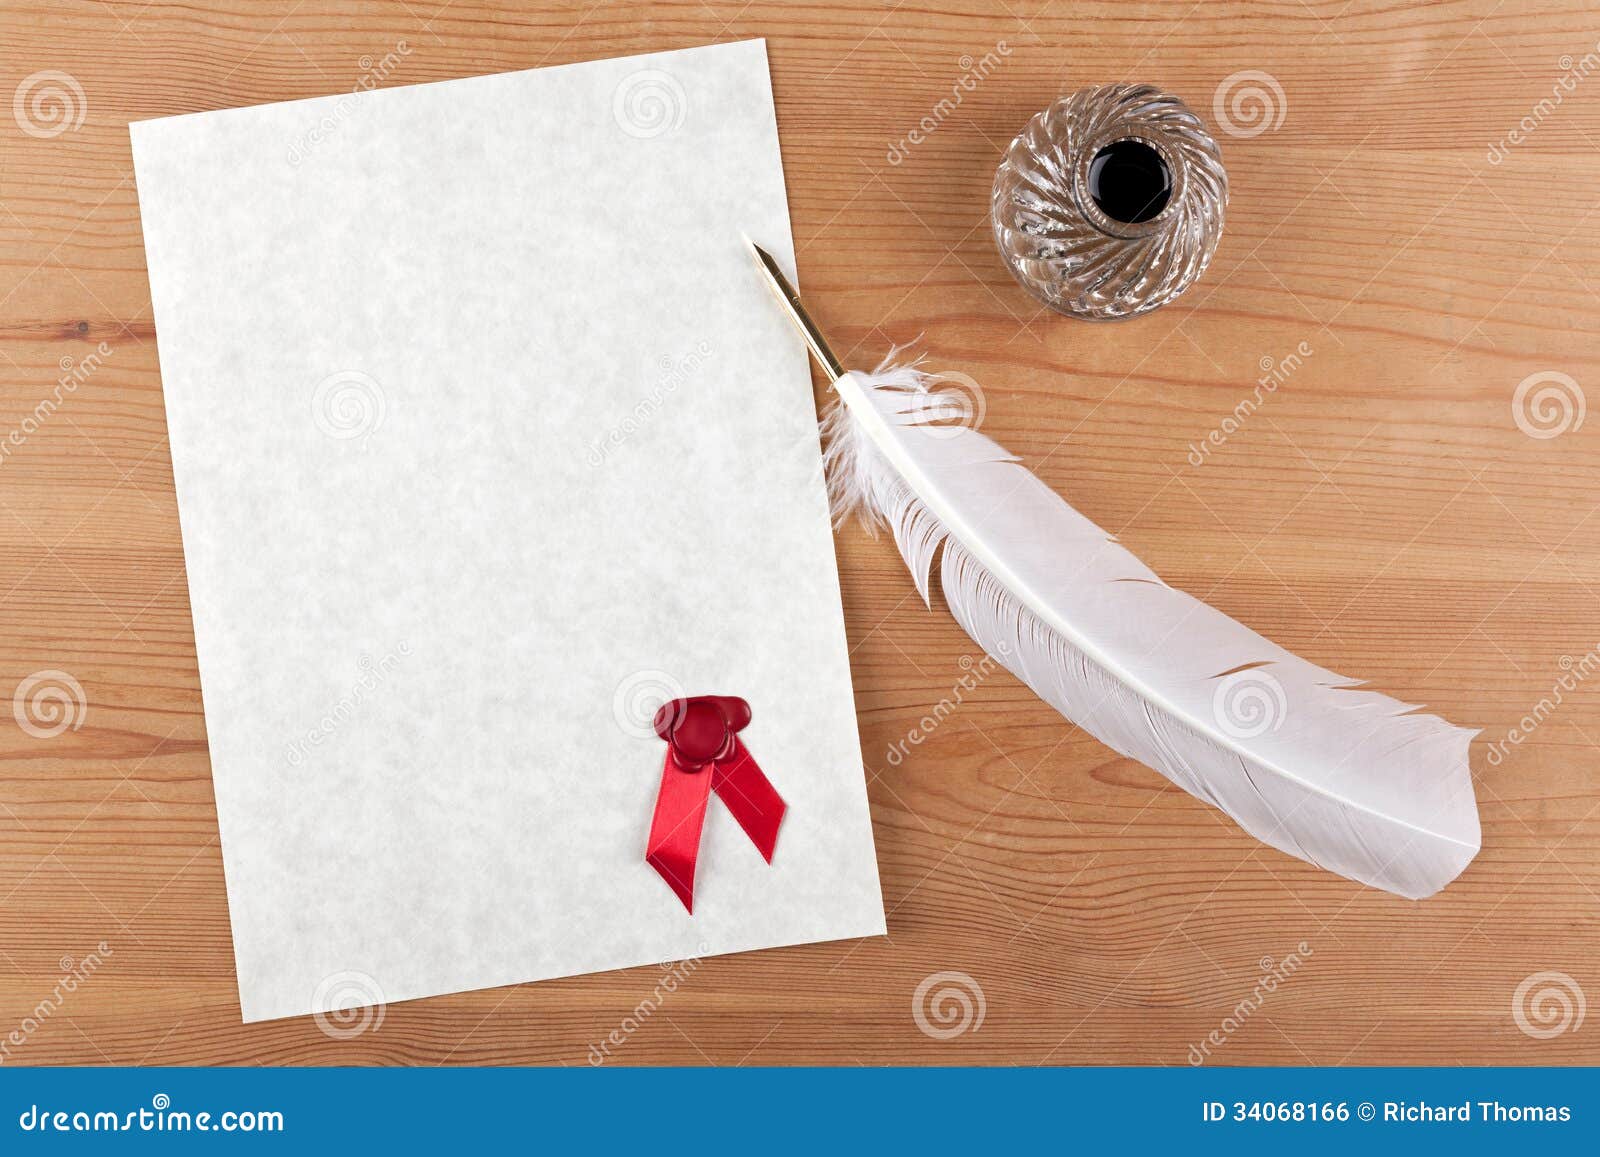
[487, 437]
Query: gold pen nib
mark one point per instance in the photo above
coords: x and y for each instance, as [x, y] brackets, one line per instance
[790, 300]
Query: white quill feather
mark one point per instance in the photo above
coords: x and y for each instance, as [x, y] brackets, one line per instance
[1347, 779]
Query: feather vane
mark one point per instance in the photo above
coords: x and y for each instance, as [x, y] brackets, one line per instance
[1303, 759]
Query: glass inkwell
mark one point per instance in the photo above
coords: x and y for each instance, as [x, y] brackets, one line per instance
[1110, 202]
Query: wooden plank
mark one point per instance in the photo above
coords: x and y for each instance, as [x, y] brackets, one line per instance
[1382, 513]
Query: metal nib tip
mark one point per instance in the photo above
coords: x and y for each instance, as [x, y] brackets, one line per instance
[796, 312]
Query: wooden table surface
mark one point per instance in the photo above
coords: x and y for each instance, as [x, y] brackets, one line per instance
[1414, 195]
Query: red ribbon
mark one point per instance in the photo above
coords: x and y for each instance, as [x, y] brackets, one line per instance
[704, 755]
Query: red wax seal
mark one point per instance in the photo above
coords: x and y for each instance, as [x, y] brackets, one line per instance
[701, 730]
[705, 755]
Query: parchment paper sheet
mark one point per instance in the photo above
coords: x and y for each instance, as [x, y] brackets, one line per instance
[486, 439]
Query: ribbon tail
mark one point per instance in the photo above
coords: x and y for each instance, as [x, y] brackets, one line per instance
[675, 828]
[744, 788]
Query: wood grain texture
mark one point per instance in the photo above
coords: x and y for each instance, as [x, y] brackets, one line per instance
[1382, 513]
